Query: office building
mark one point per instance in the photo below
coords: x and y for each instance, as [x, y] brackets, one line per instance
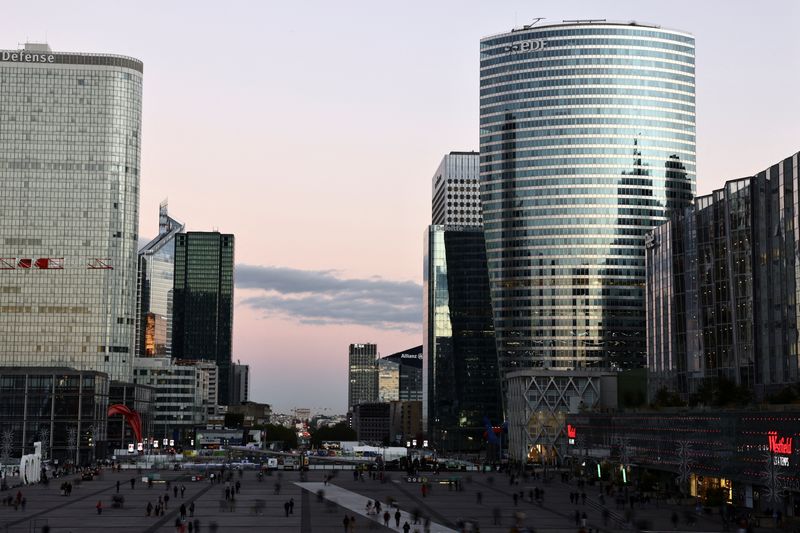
[180, 393]
[362, 374]
[240, 376]
[459, 356]
[64, 409]
[539, 401]
[388, 380]
[253, 413]
[722, 287]
[410, 361]
[587, 141]
[203, 302]
[70, 129]
[154, 290]
[456, 191]
[372, 422]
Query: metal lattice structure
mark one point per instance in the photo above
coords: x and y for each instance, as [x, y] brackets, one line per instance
[538, 402]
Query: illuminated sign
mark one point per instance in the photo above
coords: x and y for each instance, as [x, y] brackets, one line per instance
[571, 431]
[780, 460]
[779, 445]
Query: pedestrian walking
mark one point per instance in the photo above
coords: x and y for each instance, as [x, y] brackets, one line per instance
[346, 523]
[117, 486]
[133, 482]
[397, 516]
[99, 507]
[386, 518]
[191, 509]
[183, 489]
[286, 508]
[238, 486]
[406, 527]
[148, 509]
[166, 501]
[584, 518]
[183, 511]
[291, 505]
[175, 491]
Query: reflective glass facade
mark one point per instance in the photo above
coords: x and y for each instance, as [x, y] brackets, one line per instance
[202, 317]
[410, 361]
[722, 287]
[362, 374]
[70, 127]
[459, 356]
[154, 292]
[587, 140]
[65, 409]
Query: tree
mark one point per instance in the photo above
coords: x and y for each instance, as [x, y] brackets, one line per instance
[339, 432]
[234, 420]
[273, 433]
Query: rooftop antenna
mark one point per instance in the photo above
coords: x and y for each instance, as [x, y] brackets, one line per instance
[537, 19]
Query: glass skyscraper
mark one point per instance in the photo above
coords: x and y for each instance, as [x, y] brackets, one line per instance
[460, 360]
[362, 374]
[723, 278]
[70, 128]
[202, 316]
[587, 141]
[155, 289]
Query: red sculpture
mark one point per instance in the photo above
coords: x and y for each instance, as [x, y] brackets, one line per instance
[131, 417]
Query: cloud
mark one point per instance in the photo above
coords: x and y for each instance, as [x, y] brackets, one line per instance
[321, 297]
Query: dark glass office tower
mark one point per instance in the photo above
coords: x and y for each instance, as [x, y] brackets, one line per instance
[410, 361]
[722, 288]
[459, 351]
[203, 302]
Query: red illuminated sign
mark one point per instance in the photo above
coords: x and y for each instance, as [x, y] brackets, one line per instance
[779, 445]
[25, 263]
[571, 431]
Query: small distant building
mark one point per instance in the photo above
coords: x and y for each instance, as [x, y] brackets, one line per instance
[255, 414]
[240, 386]
[371, 421]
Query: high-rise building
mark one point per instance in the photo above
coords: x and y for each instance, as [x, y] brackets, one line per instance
[388, 380]
[456, 190]
[587, 141]
[459, 355]
[410, 361]
[202, 323]
[70, 128]
[155, 289]
[240, 393]
[362, 374]
[723, 278]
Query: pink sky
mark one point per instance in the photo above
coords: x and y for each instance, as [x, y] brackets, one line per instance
[311, 130]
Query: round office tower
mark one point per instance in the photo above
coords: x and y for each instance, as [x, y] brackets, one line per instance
[587, 141]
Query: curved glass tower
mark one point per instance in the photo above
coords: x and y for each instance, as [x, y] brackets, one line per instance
[587, 136]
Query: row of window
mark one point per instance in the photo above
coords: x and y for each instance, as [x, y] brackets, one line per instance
[503, 86]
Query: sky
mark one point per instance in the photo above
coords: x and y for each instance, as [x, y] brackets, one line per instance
[311, 130]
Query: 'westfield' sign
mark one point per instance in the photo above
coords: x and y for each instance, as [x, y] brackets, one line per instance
[778, 444]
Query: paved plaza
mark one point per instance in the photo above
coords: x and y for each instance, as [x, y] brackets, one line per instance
[319, 507]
